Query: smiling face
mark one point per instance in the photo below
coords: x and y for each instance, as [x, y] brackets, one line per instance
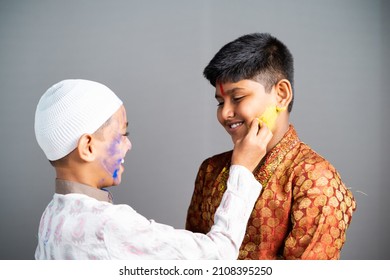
[240, 103]
[112, 149]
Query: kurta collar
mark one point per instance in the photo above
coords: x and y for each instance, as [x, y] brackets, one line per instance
[67, 187]
[275, 156]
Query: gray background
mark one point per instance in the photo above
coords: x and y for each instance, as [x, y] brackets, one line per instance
[152, 54]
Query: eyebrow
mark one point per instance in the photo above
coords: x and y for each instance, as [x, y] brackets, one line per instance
[227, 92]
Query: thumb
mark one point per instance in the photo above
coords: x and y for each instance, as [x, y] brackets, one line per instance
[254, 127]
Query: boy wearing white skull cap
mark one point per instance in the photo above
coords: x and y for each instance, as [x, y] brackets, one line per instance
[81, 127]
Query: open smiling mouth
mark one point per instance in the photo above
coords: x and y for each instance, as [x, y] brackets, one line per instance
[235, 125]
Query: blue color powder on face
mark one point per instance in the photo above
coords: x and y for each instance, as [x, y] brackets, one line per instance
[114, 151]
[115, 174]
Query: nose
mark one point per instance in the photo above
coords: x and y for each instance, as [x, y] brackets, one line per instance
[128, 144]
[227, 111]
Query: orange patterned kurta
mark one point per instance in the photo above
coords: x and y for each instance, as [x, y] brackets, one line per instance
[303, 211]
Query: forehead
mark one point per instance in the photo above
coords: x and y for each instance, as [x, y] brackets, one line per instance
[118, 119]
[227, 88]
[120, 115]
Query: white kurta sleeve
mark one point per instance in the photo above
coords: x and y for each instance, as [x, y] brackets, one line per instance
[129, 235]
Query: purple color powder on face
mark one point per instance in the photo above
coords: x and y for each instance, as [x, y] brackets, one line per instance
[113, 149]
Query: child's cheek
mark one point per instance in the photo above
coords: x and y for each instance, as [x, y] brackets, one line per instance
[269, 116]
[113, 160]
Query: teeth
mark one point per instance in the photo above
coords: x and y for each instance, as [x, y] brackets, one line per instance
[123, 161]
[235, 125]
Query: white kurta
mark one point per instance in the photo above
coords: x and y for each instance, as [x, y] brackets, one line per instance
[78, 226]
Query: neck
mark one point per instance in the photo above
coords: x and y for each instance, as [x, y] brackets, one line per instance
[280, 130]
[74, 175]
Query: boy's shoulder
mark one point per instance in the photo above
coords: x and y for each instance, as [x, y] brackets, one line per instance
[309, 155]
[309, 160]
[223, 158]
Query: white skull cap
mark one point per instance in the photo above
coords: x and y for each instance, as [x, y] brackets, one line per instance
[69, 109]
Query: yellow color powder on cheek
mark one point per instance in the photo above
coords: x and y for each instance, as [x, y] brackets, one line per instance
[269, 116]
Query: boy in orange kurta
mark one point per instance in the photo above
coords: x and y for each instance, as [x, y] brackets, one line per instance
[304, 209]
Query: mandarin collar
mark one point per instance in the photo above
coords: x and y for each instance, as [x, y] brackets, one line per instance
[275, 156]
[67, 187]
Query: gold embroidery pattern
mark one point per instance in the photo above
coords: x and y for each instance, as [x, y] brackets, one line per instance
[303, 211]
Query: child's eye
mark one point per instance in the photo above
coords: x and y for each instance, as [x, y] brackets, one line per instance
[219, 101]
[238, 98]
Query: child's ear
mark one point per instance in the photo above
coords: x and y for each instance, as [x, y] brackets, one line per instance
[86, 148]
[284, 93]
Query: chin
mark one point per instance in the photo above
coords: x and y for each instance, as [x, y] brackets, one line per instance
[116, 181]
[235, 138]
[117, 176]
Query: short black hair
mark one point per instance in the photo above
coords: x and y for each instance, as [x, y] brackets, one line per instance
[257, 56]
